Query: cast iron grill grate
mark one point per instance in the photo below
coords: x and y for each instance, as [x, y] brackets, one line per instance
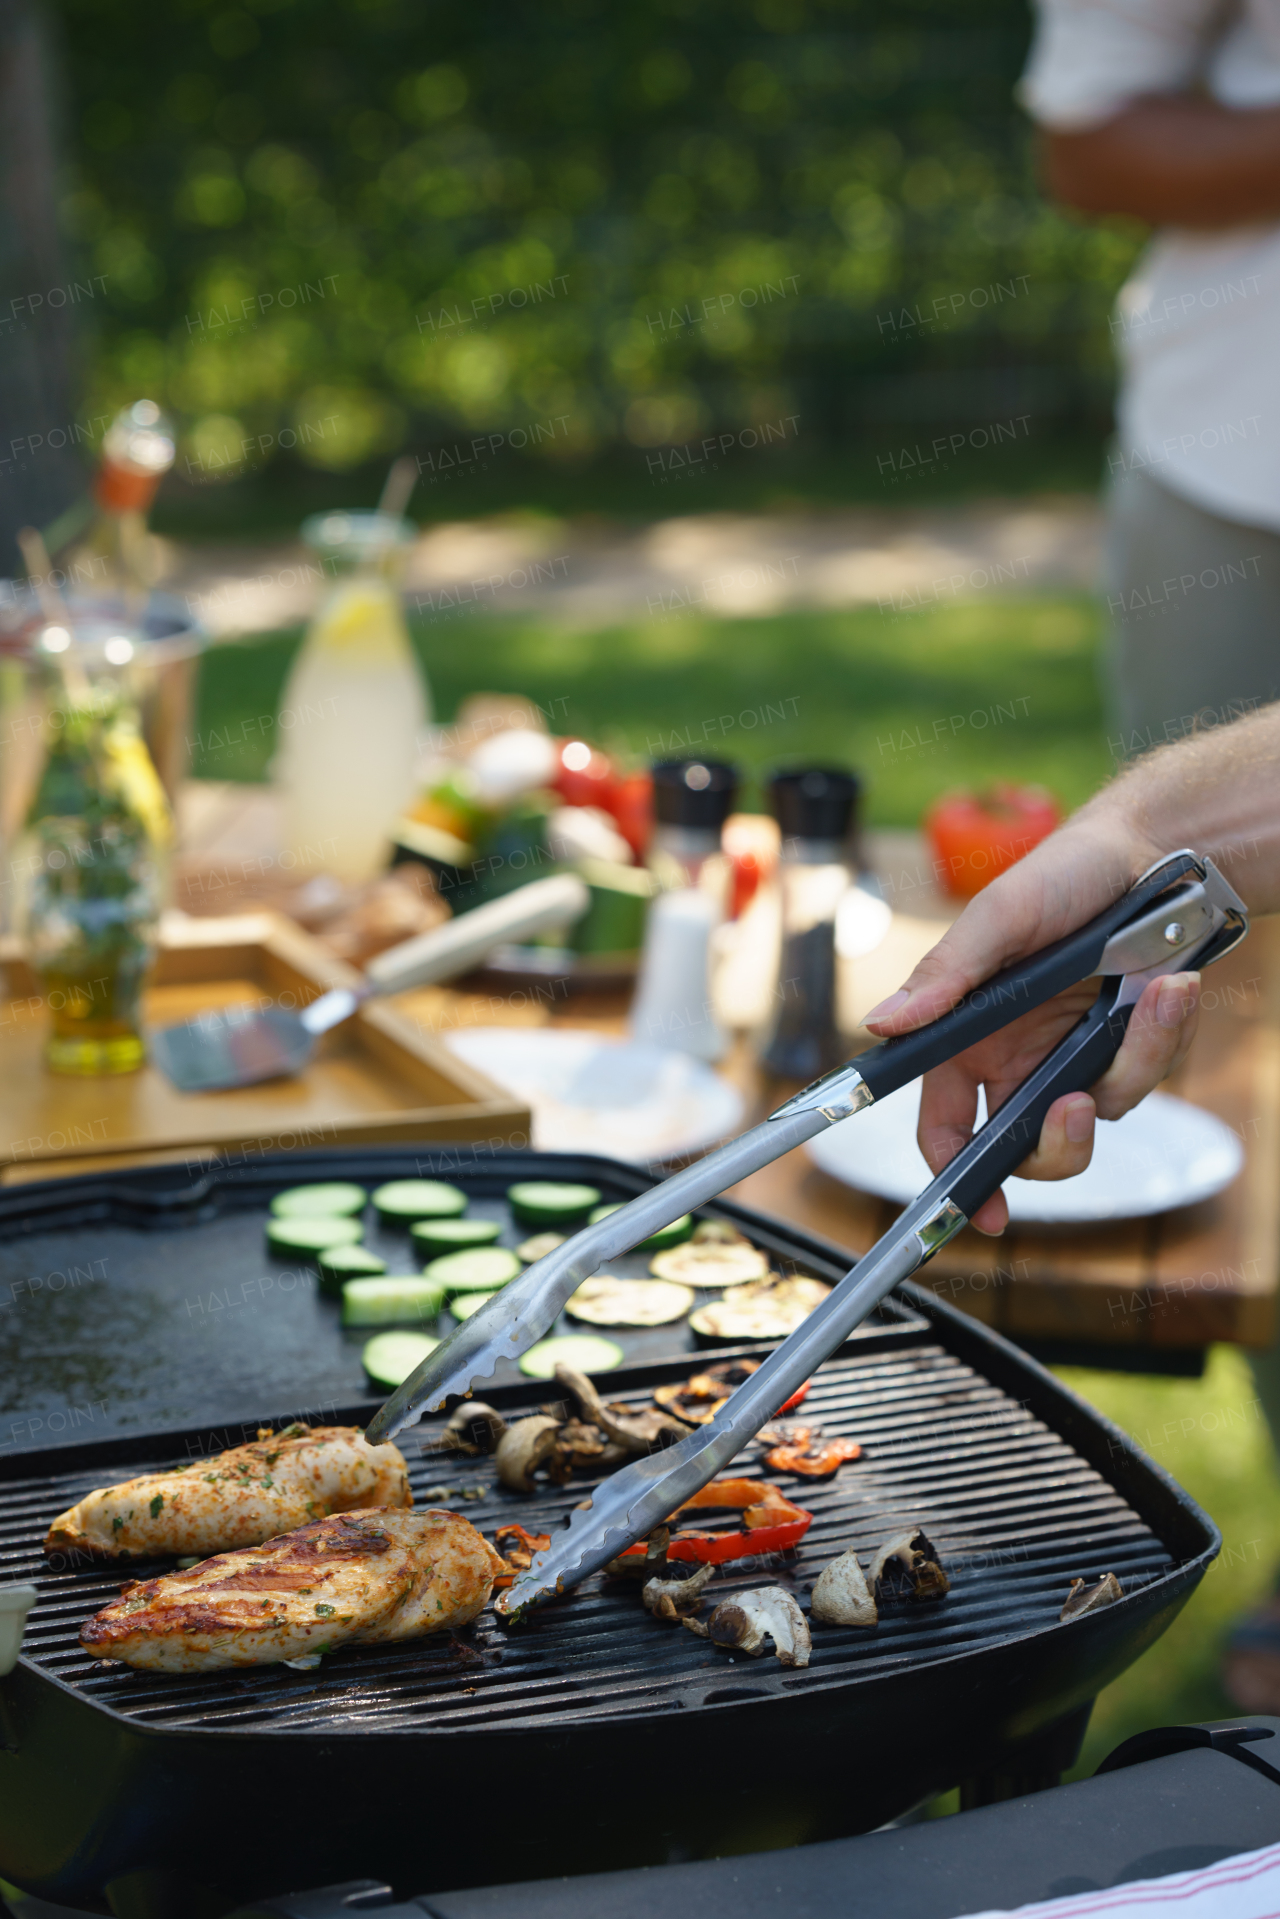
[1014, 1510]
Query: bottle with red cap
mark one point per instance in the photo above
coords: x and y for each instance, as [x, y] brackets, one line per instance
[137, 452]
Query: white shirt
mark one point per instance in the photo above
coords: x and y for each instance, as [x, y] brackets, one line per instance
[1197, 326]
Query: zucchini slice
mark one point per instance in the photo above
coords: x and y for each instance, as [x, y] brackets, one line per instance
[338, 1264]
[767, 1309]
[391, 1301]
[307, 1236]
[711, 1264]
[583, 1351]
[539, 1246]
[338, 1196]
[435, 1236]
[402, 1201]
[462, 1305]
[389, 1358]
[480, 1269]
[672, 1235]
[546, 1202]
[606, 1301]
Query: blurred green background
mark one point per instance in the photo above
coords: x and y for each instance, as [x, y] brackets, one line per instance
[330, 228]
[859, 686]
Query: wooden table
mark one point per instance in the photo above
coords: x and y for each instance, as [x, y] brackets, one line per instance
[1177, 1281]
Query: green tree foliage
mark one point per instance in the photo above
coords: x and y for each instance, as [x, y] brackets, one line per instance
[337, 225]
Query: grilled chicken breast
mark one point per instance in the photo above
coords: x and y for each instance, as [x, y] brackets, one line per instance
[236, 1498]
[358, 1578]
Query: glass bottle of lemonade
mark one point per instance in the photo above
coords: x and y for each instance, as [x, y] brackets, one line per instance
[355, 704]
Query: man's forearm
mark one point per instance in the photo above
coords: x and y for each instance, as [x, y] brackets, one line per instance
[1218, 792]
[1174, 160]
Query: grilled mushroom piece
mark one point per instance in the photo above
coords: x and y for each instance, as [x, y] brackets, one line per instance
[523, 1448]
[641, 1432]
[581, 1447]
[672, 1598]
[1082, 1598]
[473, 1428]
[652, 1563]
[906, 1567]
[841, 1595]
[742, 1624]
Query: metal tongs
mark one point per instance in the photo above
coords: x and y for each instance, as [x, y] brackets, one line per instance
[1180, 915]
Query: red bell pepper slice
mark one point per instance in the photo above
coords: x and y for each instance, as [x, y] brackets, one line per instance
[772, 1524]
[517, 1547]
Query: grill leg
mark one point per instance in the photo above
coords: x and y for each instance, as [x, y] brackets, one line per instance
[1033, 1766]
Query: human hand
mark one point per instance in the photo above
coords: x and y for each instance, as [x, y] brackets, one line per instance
[1058, 887]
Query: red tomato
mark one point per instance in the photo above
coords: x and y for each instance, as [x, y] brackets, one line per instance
[583, 775]
[977, 836]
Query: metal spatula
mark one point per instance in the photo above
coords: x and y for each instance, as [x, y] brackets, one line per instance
[248, 1044]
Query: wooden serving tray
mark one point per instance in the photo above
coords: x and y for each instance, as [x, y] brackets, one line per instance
[380, 1076]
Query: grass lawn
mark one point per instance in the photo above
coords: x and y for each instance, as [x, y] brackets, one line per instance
[917, 702]
[1210, 1434]
[1003, 689]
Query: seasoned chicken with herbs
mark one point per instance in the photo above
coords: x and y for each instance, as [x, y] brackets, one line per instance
[237, 1498]
[360, 1578]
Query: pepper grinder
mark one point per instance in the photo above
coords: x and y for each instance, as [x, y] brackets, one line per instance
[814, 808]
[691, 801]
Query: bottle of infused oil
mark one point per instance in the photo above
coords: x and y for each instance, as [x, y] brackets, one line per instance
[97, 835]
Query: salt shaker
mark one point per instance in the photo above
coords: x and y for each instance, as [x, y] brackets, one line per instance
[691, 801]
[814, 807]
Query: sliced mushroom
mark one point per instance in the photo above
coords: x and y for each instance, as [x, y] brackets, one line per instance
[523, 1448]
[742, 1624]
[841, 1594]
[1083, 1599]
[473, 1428]
[581, 1447]
[652, 1563]
[639, 1432]
[906, 1567]
[672, 1598]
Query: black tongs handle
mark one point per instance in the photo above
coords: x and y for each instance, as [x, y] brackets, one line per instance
[995, 1153]
[1001, 999]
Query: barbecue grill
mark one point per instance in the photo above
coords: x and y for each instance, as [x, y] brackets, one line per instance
[592, 1736]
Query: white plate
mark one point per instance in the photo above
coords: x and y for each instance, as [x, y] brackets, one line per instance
[591, 1095]
[1164, 1153]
